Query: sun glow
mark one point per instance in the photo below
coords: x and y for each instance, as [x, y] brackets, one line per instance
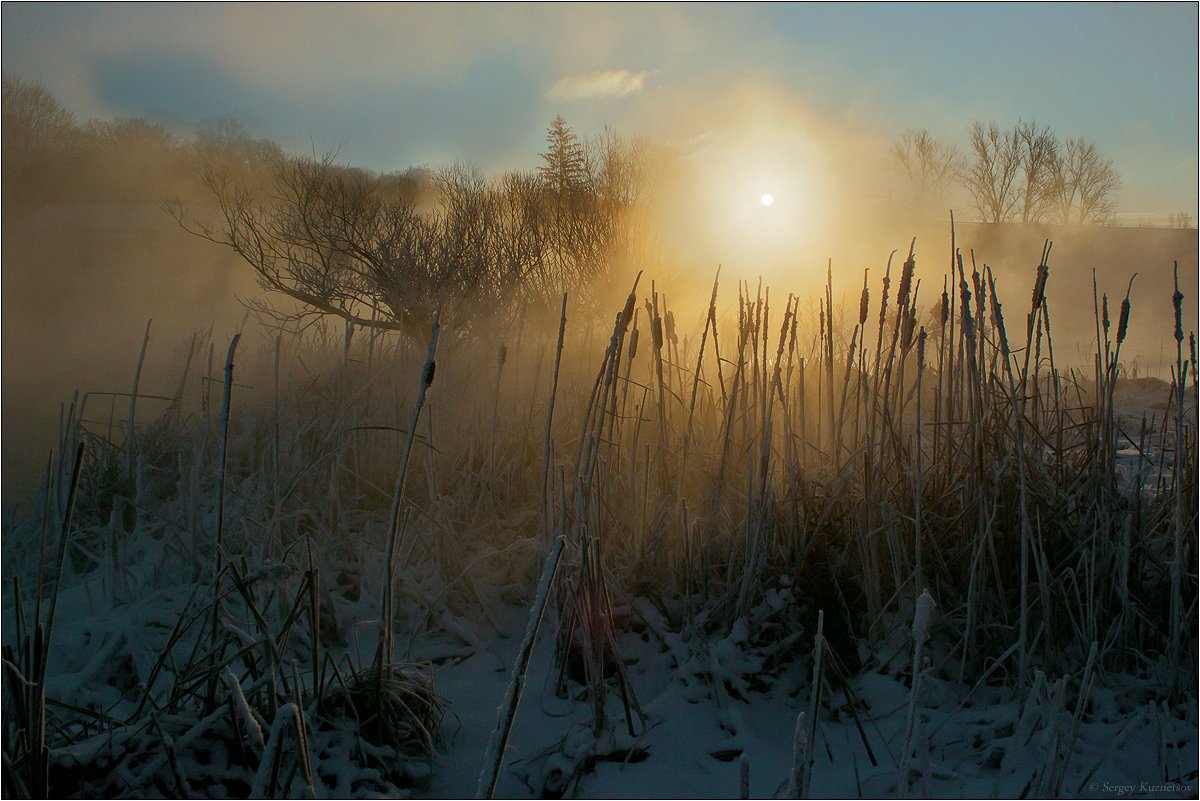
[757, 191]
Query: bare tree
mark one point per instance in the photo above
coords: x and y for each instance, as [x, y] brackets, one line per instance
[1085, 183]
[41, 142]
[1098, 185]
[33, 120]
[322, 237]
[347, 243]
[1038, 152]
[991, 178]
[928, 166]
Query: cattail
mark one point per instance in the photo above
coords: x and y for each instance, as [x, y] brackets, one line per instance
[1177, 299]
[923, 617]
[633, 342]
[968, 322]
[944, 311]
[1039, 285]
[656, 330]
[430, 369]
[502, 355]
[921, 337]
[627, 312]
[998, 313]
[1123, 323]
[669, 323]
[906, 330]
[863, 301]
[1104, 314]
[887, 283]
[906, 277]
[981, 293]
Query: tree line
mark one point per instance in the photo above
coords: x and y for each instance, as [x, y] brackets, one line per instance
[377, 249]
[1025, 173]
[50, 156]
[383, 249]
[346, 243]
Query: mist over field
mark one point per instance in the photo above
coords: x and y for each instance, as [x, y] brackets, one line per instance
[84, 275]
[660, 401]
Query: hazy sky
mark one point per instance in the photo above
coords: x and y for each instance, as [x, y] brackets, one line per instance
[404, 84]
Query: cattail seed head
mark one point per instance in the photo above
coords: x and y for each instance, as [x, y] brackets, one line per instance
[430, 369]
[906, 276]
[502, 355]
[656, 330]
[968, 322]
[883, 302]
[1123, 322]
[1177, 299]
[1039, 285]
[633, 343]
[998, 313]
[627, 312]
[1104, 314]
[863, 303]
[944, 311]
[669, 323]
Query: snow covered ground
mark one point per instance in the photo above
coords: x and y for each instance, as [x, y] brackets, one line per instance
[712, 715]
[709, 715]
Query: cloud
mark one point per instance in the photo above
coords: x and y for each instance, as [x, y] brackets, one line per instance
[604, 83]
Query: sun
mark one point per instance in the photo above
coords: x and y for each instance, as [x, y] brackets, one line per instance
[767, 199]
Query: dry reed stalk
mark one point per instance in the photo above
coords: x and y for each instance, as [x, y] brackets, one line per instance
[1179, 372]
[226, 403]
[547, 504]
[386, 648]
[507, 712]
[131, 438]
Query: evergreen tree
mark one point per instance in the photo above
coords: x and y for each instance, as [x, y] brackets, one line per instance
[565, 169]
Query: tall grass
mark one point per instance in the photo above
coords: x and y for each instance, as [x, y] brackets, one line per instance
[871, 462]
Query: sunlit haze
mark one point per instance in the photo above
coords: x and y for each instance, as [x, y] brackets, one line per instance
[599, 400]
[393, 86]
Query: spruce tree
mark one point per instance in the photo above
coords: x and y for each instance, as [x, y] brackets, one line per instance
[565, 168]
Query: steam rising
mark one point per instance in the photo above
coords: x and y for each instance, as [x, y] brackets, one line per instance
[82, 279]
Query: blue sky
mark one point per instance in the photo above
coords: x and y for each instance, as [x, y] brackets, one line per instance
[396, 85]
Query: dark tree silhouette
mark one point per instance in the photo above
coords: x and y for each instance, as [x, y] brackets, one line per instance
[355, 245]
[1038, 149]
[565, 169]
[991, 178]
[41, 142]
[928, 166]
[1025, 173]
[1085, 182]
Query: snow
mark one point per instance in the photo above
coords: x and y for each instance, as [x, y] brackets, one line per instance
[705, 719]
[722, 705]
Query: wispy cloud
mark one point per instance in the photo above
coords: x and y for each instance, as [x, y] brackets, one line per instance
[605, 83]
